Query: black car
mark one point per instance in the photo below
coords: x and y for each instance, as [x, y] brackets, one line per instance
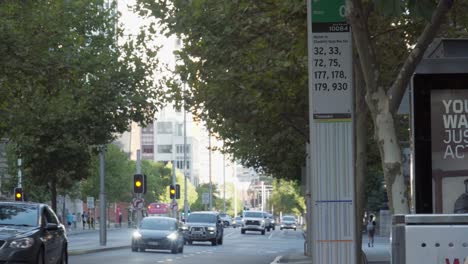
[157, 232]
[204, 226]
[31, 233]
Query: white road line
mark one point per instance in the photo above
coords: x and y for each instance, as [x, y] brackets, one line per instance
[270, 235]
[229, 234]
[277, 259]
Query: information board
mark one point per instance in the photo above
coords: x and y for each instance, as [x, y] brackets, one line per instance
[331, 61]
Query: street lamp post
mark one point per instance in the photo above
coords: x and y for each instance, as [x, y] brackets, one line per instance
[185, 162]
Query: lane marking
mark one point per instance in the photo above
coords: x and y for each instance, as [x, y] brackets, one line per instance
[229, 234]
[277, 259]
[269, 237]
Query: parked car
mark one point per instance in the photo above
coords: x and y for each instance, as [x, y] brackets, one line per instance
[237, 221]
[31, 233]
[288, 222]
[253, 221]
[226, 219]
[204, 226]
[158, 232]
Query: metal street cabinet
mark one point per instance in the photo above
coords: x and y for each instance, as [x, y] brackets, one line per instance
[430, 239]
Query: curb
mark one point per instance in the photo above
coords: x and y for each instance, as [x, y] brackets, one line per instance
[95, 250]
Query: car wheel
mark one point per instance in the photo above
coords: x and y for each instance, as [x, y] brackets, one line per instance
[281, 228]
[214, 242]
[273, 228]
[220, 241]
[40, 256]
[294, 229]
[242, 231]
[263, 232]
[181, 249]
[64, 257]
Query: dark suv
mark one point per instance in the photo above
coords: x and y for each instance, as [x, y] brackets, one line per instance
[31, 233]
[204, 226]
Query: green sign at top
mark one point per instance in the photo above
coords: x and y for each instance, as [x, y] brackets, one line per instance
[324, 11]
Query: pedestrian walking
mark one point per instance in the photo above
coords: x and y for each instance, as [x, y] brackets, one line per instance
[74, 221]
[92, 222]
[120, 219]
[371, 230]
[84, 218]
[69, 220]
[89, 219]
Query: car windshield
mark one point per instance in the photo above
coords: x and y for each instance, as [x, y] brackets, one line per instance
[238, 218]
[201, 218]
[289, 218]
[158, 224]
[223, 215]
[253, 214]
[19, 214]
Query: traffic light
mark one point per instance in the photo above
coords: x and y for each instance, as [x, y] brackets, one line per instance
[138, 183]
[177, 191]
[144, 184]
[19, 194]
[172, 191]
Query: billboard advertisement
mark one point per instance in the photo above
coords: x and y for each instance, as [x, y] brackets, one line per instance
[449, 149]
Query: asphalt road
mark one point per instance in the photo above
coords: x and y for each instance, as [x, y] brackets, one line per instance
[251, 248]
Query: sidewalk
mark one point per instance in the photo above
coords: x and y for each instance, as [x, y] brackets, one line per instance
[88, 241]
[379, 254]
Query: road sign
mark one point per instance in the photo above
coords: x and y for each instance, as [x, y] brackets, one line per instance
[174, 205]
[90, 202]
[205, 198]
[138, 202]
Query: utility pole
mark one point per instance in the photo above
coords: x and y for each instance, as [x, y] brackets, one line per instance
[102, 200]
[224, 183]
[209, 169]
[185, 162]
[20, 180]
[235, 188]
[174, 201]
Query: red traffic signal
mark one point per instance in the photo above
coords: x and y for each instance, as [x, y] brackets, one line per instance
[19, 194]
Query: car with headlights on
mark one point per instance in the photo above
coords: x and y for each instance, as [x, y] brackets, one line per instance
[204, 226]
[31, 233]
[158, 232]
[254, 221]
[288, 222]
[237, 221]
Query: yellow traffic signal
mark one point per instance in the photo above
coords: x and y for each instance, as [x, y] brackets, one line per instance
[19, 194]
[172, 191]
[138, 185]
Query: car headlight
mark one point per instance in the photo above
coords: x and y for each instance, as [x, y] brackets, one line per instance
[26, 242]
[136, 235]
[211, 228]
[263, 221]
[184, 228]
[172, 236]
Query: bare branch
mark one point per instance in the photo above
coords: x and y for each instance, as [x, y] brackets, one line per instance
[397, 90]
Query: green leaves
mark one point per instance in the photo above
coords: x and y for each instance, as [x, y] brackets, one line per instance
[397, 8]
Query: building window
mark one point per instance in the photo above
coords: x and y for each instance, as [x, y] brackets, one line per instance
[180, 149]
[180, 129]
[164, 127]
[148, 149]
[164, 148]
[147, 130]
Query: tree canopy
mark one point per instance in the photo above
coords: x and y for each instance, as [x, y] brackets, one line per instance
[67, 86]
[245, 65]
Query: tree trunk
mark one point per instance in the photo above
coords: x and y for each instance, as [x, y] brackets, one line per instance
[390, 152]
[361, 124]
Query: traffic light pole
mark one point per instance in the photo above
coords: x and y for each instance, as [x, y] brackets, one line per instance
[185, 163]
[174, 201]
[138, 195]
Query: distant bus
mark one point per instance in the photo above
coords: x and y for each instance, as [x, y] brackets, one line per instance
[158, 209]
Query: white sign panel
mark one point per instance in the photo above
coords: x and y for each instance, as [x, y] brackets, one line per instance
[332, 71]
[90, 202]
[205, 198]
